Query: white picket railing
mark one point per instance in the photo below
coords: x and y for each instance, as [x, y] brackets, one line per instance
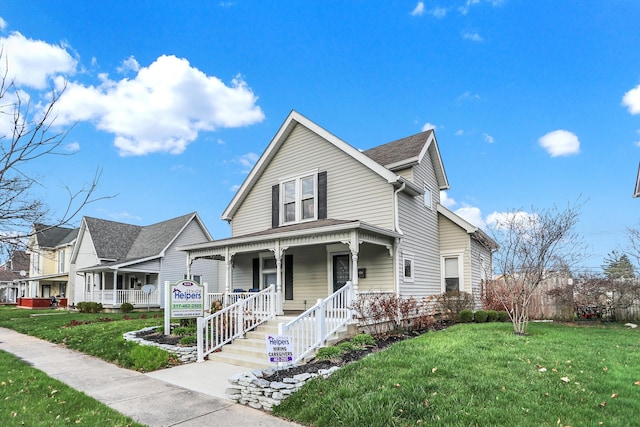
[136, 297]
[226, 298]
[233, 321]
[312, 328]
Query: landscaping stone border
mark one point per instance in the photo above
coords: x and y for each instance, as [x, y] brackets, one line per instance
[252, 389]
[185, 354]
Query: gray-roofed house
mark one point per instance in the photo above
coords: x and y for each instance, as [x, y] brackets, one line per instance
[315, 213]
[112, 261]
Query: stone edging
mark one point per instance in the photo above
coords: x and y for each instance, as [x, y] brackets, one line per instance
[184, 354]
[252, 389]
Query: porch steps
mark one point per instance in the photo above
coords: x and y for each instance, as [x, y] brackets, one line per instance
[251, 351]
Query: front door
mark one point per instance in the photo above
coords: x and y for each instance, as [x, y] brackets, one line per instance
[340, 271]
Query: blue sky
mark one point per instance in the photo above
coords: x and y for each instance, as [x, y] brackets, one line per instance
[534, 104]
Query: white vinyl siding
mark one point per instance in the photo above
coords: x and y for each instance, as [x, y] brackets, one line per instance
[353, 190]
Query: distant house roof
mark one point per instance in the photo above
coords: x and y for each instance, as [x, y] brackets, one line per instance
[53, 236]
[119, 242]
[16, 268]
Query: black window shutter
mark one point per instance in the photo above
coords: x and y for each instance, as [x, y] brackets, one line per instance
[275, 205]
[256, 273]
[288, 277]
[322, 195]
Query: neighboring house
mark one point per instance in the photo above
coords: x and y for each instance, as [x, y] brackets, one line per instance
[112, 261]
[13, 277]
[49, 249]
[315, 213]
[465, 253]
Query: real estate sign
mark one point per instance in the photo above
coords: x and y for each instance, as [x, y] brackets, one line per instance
[279, 348]
[187, 300]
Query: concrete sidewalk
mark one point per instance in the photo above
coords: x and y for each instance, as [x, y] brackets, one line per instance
[192, 395]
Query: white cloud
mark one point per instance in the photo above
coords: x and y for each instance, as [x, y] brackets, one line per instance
[72, 147]
[234, 188]
[468, 96]
[473, 36]
[472, 214]
[500, 220]
[631, 100]
[488, 138]
[446, 201]
[162, 109]
[247, 161]
[560, 143]
[438, 12]
[418, 10]
[459, 132]
[428, 126]
[129, 64]
[3, 24]
[31, 63]
[467, 6]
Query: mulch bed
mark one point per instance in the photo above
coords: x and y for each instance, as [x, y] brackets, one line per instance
[382, 342]
[159, 337]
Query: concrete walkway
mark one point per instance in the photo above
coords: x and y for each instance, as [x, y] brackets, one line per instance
[185, 396]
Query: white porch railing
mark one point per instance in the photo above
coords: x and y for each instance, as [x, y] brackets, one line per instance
[136, 297]
[312, 328]
[222, 327]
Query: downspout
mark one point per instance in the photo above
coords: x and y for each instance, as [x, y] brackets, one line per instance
[396, 272]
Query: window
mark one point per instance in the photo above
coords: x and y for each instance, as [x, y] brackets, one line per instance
[269, 271]
[451, 274]
[427, 197]
[36, 263]
[194, 277]
[407, 269]
[61, 256]
[88, 282]
[299, 197]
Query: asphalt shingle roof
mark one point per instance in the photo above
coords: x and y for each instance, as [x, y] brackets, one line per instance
[118, 241]
[50, 236]
[399, 150]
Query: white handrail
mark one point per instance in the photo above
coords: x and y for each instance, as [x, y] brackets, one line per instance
[312, 328]
[222, 327]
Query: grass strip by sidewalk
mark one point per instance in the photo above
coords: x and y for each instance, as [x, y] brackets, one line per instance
[99, 335]
[31, 398]
[483, 375]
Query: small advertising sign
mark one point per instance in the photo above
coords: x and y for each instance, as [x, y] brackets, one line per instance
[187, 300]
[279, 349]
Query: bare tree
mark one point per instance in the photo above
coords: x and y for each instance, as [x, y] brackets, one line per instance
[27, 133]
[532, 247]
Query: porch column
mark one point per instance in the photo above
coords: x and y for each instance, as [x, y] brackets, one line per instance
[279, 295]
[354, 246]
[115, 286]
[102, 287]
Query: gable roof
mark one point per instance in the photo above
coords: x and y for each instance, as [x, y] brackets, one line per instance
[409, 151]
[475, 232]
[51, 237]
[120, 242]
[285, 130]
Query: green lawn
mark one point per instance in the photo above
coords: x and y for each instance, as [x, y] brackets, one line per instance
[31, 398]
[483, 375]
[99, 335]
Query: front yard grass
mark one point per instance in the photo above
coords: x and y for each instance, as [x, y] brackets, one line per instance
[31, 398]
[484, 375]
[98, 335]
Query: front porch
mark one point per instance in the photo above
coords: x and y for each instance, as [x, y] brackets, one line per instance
[114, 287]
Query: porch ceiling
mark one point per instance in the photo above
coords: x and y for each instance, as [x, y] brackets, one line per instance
[305, 234]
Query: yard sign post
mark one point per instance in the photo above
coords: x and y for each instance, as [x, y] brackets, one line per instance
[185, 301]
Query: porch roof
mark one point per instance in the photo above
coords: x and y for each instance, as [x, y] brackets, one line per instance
[307, 233]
